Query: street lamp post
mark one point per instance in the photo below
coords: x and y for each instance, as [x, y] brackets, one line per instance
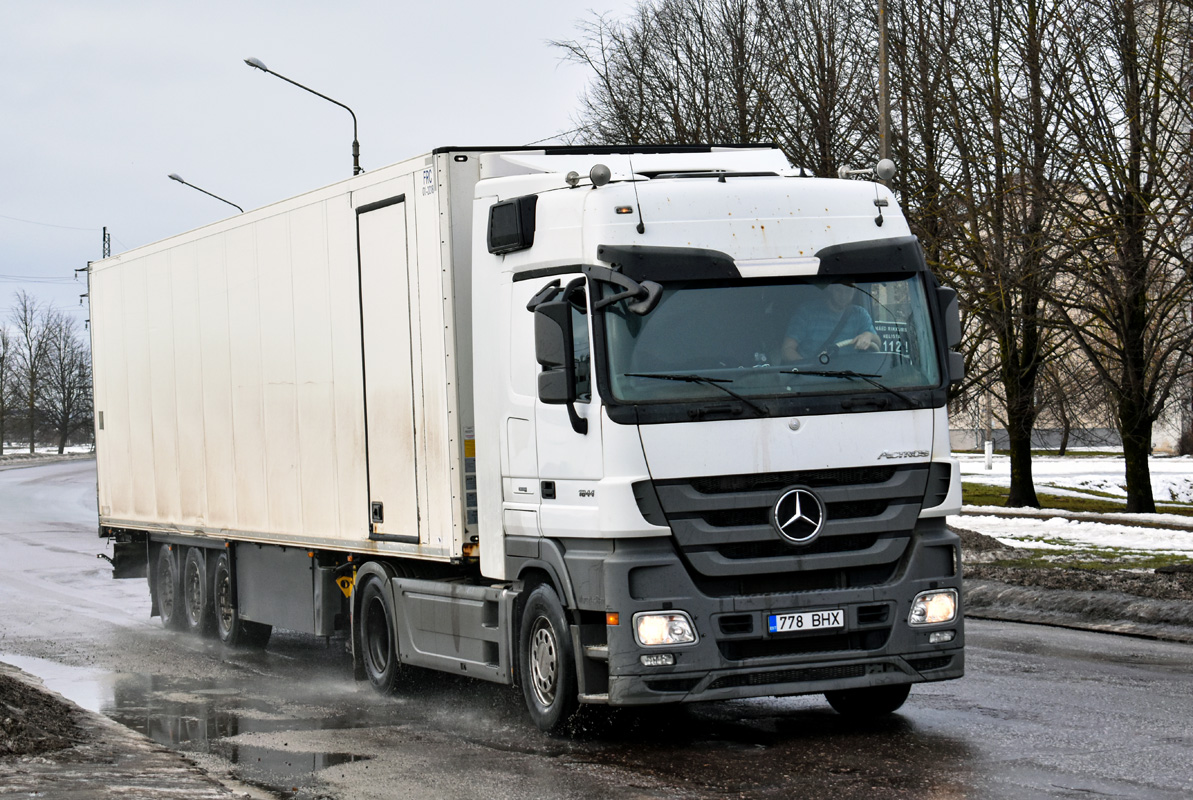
[174, 177]
[356, 170]
[884, 111]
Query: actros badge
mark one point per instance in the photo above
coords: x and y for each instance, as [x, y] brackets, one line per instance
[798, 516]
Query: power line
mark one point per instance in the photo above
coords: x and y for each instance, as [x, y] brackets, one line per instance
[48, 224]
[556, 136]
[34, 279]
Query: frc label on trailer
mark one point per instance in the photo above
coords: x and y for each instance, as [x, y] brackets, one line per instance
[807, 621]
[428, 182]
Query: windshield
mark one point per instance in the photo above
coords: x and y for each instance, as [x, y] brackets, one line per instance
[783, 337]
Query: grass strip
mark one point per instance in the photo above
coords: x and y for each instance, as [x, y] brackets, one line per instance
[984, 494]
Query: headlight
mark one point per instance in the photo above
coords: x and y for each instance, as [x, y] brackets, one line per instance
[652, 630]
[933, 608]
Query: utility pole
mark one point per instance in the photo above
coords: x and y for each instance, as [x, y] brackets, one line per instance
[884, 125]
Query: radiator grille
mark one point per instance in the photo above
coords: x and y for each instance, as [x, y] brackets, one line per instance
[723, 530]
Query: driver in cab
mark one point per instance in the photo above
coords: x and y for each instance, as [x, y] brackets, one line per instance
[829, 322]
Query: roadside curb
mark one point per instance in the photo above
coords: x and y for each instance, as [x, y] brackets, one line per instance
[111, 761]
[21, 460]
[1101, 612]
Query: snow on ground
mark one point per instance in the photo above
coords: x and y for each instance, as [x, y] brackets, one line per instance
[1172, 480]
[1067, 534]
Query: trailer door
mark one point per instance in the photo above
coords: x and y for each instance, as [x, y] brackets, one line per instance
[385, 303]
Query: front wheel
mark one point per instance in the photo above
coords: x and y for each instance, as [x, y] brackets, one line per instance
[231, 629]
[870, 702]
[546, 662]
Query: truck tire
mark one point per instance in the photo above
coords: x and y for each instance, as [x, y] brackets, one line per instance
[870, 702]
[379, 650]
[169, 590]
[231, 629]
[546, 662]
[198, 609]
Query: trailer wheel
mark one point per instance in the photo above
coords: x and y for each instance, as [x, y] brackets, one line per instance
[231, 629]
[869, 702]
[378, 648]
[169, 590]
[546, 662]
[196, 592]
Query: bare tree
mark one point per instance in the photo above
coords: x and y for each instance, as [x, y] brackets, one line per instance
[1004, 117]
[925, 40]
[1127, 120]
[6, 379]
[66, 396]
[678, 72]
[31, 356]
[820, 82]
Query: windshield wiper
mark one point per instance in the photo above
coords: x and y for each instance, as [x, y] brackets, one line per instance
[701, 379]
[865, 376]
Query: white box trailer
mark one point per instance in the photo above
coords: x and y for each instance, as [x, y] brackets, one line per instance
[474, 409]
[275, 376]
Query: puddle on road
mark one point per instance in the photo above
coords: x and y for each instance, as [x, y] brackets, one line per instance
[204, 717]
[85, 687]
[201, 716]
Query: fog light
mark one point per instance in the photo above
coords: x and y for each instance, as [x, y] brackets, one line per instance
[658, 660]
[932, 608]
[940, 637]
[652, 630]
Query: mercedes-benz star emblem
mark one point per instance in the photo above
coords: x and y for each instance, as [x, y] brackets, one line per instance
[798, 516]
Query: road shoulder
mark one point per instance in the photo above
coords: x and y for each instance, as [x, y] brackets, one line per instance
[106, 760]
[1128, 602]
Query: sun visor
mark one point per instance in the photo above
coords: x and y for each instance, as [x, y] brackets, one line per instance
[901, 254]
[642, 263]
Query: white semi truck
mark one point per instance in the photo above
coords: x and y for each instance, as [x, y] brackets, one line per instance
[576, 419]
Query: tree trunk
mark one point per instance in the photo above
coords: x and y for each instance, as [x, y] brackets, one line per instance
[1136, 428]
[32, 418]
[1021, 414]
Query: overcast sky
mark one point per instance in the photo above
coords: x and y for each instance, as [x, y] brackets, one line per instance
[101, 100]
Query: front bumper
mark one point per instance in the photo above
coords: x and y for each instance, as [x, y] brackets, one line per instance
[736, 656]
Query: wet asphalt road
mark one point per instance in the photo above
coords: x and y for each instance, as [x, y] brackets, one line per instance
[1042, 712]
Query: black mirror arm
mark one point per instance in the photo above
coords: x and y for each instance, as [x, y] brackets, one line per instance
[543, 295]
[645, 294]
[579, 423]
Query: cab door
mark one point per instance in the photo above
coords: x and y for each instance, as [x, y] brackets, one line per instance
[570, 463]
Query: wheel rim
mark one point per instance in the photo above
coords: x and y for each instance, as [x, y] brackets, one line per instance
[377, 636]
[223, 600]
[193, 593]
[544, 661]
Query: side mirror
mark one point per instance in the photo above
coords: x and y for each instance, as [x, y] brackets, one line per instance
[956, 367]
[554, 348]
[950, 312]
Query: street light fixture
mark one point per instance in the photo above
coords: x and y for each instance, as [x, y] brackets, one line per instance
[256, 63]
[174, 177]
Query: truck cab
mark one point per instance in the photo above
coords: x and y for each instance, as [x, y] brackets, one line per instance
[710, 508]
